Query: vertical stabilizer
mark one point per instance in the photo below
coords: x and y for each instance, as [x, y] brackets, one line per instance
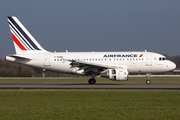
[23, 40]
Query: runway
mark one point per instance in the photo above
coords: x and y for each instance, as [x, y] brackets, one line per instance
[87, 86]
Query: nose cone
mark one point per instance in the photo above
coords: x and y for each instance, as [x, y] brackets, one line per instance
[172, 65]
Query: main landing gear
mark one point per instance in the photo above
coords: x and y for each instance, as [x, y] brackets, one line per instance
[92, 81]
[147, 79]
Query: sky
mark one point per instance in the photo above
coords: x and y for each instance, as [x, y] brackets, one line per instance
[95, 25]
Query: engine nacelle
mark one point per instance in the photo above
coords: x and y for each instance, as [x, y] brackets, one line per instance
[116, 74]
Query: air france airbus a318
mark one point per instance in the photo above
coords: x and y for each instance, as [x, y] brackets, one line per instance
[113, 65]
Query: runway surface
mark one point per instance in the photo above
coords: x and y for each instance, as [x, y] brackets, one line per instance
[87, 86]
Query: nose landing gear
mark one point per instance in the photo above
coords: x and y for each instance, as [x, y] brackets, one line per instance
[147, 79]
[148, 82]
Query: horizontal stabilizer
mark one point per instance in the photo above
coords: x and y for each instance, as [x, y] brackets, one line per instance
[19, 57]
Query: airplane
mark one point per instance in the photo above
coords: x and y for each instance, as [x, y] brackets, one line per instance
[113, 65]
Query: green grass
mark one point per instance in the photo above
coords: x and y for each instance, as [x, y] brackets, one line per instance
[90, 104]
[132, 80]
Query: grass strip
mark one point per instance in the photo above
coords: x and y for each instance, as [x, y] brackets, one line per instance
[132, 80]
[89, 104]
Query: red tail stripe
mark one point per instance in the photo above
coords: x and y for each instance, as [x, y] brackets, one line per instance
[18, 43]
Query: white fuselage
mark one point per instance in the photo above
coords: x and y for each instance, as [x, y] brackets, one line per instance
[136, 62]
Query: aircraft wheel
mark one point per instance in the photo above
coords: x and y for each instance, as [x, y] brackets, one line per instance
[92, 81]
[148, 82]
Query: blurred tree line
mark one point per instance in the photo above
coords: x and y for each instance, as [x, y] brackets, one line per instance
[9, 69]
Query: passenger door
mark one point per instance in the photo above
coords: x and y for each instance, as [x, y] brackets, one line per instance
[47, 60]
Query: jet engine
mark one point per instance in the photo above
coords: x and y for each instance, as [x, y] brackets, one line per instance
[115, 74]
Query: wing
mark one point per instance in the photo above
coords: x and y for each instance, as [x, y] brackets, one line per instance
[91, 68]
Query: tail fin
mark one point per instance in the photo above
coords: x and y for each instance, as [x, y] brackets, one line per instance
[23, 40]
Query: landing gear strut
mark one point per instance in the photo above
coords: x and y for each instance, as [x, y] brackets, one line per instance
[147, 79]
[92, 81]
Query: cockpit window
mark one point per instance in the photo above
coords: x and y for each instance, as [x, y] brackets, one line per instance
[162, 59]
